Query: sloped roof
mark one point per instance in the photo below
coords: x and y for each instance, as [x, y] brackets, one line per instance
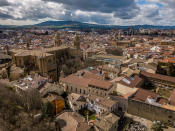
[105, 122]
[4, 56]
[85, 82]
[72, 121]
[159, 76]
[102, 101]
[132, 82]
[100, 83]
[172, 98]
[76, 80]
[143, 94]
[90, 75]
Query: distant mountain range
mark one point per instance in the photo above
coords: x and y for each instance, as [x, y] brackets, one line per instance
[80, 25]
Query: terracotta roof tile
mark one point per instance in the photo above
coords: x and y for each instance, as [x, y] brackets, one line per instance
[133, 82]
[72, 79]
[172, 98]
[102, 101]
[143, 94]
[100, 83]
[85, 82]
[159, 76]
[90, 75]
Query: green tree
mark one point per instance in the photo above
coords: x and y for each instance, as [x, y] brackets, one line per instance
[47, 109]
[158, 126]
[86, 114]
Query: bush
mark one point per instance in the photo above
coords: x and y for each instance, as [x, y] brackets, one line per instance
[158, 126]
[13, 117]
[30, 100]
[47, 109]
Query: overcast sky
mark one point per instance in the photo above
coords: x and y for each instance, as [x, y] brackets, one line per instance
[115, 12]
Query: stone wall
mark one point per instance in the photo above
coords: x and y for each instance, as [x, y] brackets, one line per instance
[122, 103]
[150, 112]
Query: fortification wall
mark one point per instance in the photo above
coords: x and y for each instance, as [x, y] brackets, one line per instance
[150, 112]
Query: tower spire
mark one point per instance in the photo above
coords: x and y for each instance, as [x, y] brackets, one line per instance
[77, 42]
[57, 41]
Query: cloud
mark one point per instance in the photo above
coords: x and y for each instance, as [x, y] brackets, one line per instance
[32, 10]
[124, 9]
[4, 3]
[166, 11]
[168, 3]
[118, 12]
[92, 17]
[153, 13]
[5, 16]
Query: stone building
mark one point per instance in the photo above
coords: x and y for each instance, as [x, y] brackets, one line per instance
[71, 121]
[151, 106]
[81, 85]
[4, 58]
[158, 80]
[122, 44]
[109, 71]
[107, 122]
[172, 98]
[57, 41]
[93, 103]
[101, 105]
[5, 62]
[128, 85]
[166, 42]
[77, 42]
[45, 61]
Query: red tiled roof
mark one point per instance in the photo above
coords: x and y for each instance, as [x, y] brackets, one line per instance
[172, 98]
[76, 80]
[91, 75]
[143, 94]
[133, 83]
[162, 101]
[99, 83]
[169, 60]
[102, 101]
[84, 82]
[159, 76]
